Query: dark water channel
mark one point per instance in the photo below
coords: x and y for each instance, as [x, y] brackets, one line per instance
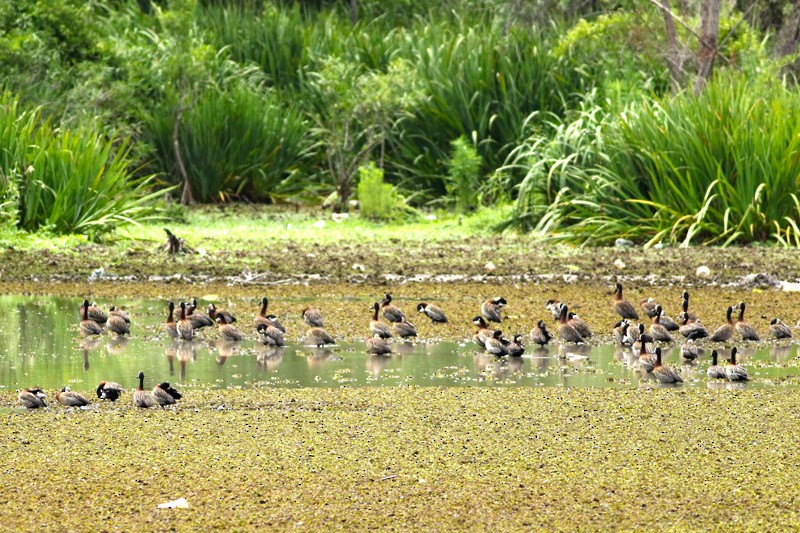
[40, 345]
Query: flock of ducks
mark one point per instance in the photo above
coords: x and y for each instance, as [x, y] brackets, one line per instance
[570, 329]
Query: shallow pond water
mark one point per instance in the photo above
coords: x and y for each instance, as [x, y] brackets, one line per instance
[40, 345]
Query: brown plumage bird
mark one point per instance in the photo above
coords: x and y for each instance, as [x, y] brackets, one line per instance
[491, 309]
[494, 344]
[647, 360]
[744, 329]
[623, 307]
[404, 329]
[566, 330]
[725, 331]
[376, 327]
[685, 308]
[108, 390]
[580, 325]
[391, 312]
[213, 312]
[649, 307]
[32, 398]
[515, 346]
[620, 330]
[689, 350]
[118, 325]
[376, 345]
[227, 332]
[198, 320]
[267, 319]
[71, 398]
[113, 311]
[88, 326]
[184, 326]
[779, 330]
[170, 326]
[94, 312]
[482, 331]
[539, 334]
[164, 394]
[433, 312]
[665, 374]
[318, 337]
[715, 371]
[657, 330]
[143, 398]
[690, 329]
[734, 371]
[270, 335]
[313, 317]
[554, 306]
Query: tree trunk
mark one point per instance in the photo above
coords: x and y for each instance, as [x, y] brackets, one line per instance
[709, 31]
[673, 57]
[186, 196]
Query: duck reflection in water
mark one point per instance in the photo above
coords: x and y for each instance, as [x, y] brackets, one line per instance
[116, 344]
[781, 353]
[376, 364]
[186, 352]
[226, 349]
[87, 345]
[269, 357]
[319, 356]
[403, 348]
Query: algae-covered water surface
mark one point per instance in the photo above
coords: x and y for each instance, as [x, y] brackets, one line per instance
[41, 346]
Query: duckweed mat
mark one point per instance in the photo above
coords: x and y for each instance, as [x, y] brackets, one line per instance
[408, 459]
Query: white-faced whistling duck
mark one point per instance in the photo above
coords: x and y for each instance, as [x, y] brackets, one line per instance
[685, 307]
[715, 371]
[665, 374]
[491, 309]
[635, 334]
[494, 344]
[113, 311]
[318, 337]
[118, 325]
[108, 390]
[482, 333]
[261, 317]
[733, 371]
[623, 307]
[141, 397]
[313, 317]
[779, 330]
[377, 345]
[89, 326]
[165, 395]
[657, 330]
[404, 328]
[170, 326]
[632, 335]
[213, 312]
[515, 346]
[580, 325]
[725, 331]
[94, 312]
[433, 312]
[198, 320]
[620, 330]
[376, 327]
[689, 350]
[647, 360]
[539, 334]
[554, 306]
[391, 312]
[71, 398]
[184, 326]
[270, 335]
[567, 332]
[649, 307]
[227, 332]
[744, 329]
[668, 323]
[692, 330]
[32, 398]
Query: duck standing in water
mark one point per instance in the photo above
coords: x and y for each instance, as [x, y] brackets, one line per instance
[689, 350]
[170, 326]
[482, 333]
[94, 312]
[227, 332]
[404, 328]
[715, 371]
[270, 335]
[692, 330]
[267, 319]
[32, 398]
[494, 344]
[657, 330]
[725, 331]
[647, 360]
[580, 325]
[198, 320]
[515, 346]
[376, 327]
[71, 398]
[377, 345]
[623, 307]
[433, 312]
[734, 371]
[566, 330]
[143, 398]
[665, 374]
[108, 390]
[213, 312]
[540, 335]
[318, 337]
[491, 309]
[744, 329]
[88, 326]
[184, 326]
[391, 312]
[118, 324]
[779, 330]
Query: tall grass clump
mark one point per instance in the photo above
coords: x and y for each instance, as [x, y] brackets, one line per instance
[66, 181]
[239, 142]
[463, 175]
[377, 200]
[722, 167]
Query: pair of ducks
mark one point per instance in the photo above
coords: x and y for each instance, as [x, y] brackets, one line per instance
[93, 318]
[493, 342]
[162, 394]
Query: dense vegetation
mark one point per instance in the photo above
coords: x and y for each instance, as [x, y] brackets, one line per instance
[567, 109]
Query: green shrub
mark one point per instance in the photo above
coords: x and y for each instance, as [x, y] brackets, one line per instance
[377, 200]
[463, 175]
